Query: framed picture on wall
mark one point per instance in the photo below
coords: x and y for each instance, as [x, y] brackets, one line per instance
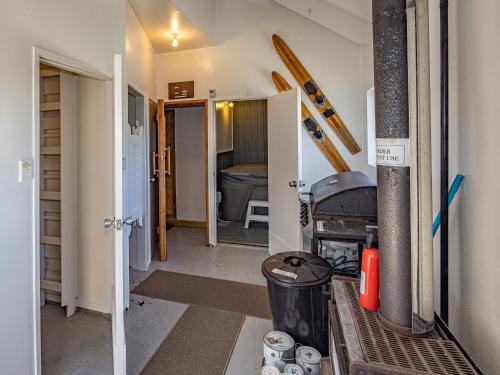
[181, 90]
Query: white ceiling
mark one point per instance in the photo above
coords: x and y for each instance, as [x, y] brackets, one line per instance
[349, 18]
[160, 19]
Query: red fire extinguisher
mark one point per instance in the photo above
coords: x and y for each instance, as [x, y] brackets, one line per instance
[369, 285]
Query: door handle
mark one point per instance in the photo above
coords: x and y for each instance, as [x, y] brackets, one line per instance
[117, 223]
[292, 183]
[155, 164]
[108, 223]
[168, 161]
[129, 221]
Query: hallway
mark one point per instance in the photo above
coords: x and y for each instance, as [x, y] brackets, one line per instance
[149, 320]
[188, 254]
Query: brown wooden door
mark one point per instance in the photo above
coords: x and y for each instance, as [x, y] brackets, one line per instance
[162, 181]
[170, 179]
[153, 142]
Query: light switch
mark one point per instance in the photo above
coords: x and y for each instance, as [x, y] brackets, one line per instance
[25, 170]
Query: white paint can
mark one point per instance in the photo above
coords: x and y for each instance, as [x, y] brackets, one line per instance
[270, 370]
[279, 349]
[308, 358]
[293, 369]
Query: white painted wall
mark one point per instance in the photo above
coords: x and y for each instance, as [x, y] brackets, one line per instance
[91, 31]
[474, 132]
[224, 128]
[190, 163]
[140, 57]
[241, 65]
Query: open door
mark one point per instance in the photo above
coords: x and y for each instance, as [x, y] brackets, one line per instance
[153, 187]
[285, 171]
[117, 223]
[162, 179]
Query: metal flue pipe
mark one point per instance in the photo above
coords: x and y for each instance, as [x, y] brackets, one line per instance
[444, 160]
[393, 169]
[417, 18]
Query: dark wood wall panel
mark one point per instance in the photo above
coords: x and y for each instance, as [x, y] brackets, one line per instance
[250, 131]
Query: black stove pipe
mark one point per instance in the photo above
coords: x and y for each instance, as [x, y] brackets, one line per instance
[393, 182]
[443, 10]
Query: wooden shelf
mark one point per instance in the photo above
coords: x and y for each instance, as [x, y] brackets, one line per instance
[52, 215]
[50, 106]
[53, 253]
[50, 195]
[48, 240]
[53, 286]
[50, 150]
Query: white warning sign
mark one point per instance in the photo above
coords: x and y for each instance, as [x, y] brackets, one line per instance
[393, 152]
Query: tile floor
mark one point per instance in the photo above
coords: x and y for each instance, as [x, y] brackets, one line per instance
[83, 342]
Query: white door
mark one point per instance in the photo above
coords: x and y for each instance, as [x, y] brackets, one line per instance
[285, 171]
[119, 349]
[69, 256]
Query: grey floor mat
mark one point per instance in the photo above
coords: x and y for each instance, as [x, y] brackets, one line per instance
[201, 342]
[246, 299]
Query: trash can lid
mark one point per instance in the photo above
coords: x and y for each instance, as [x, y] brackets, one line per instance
[296, 269]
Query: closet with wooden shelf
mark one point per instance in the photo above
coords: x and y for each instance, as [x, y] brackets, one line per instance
[57, 189]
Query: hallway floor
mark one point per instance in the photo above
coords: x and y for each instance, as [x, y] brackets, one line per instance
[149, 320]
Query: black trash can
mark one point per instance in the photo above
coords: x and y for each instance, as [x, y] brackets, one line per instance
[299, 289]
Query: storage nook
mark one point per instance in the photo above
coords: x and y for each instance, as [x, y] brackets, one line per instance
[76, 190]
[58, 274]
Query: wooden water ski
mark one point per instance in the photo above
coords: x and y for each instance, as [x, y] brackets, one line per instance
[317, 134]
[315, 94]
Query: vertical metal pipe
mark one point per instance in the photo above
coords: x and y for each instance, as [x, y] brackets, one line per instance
[393, 178]
[444, 161]
[421, 167]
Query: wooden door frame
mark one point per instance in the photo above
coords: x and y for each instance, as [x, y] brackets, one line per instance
[171, 178]
[186, 104]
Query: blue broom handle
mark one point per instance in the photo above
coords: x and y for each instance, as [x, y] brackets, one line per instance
[455, 186]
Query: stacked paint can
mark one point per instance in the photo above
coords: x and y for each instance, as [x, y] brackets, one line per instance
[270, 370]
[280, 353]
[279, 349]
[308, 359]
[294, 369]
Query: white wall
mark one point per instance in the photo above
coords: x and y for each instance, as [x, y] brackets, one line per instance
[224, 128]
[474, 132]
[190, 163]
[91, 31]
[140, 57]
[241, 65]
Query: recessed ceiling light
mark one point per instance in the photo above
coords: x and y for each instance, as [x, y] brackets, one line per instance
[175, 24]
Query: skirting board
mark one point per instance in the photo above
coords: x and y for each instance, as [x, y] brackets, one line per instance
[94, 307]
[187, 223]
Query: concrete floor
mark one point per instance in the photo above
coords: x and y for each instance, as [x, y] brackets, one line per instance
[82, 343]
